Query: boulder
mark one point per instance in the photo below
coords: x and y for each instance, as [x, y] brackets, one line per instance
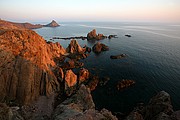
[83, 75]
[74, 47]
[98, 47]
[93, 36]
[70, 78]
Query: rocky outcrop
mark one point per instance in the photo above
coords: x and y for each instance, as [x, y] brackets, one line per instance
[26, 66]
[98, 47]
[74, 47]
[80, 107]
[52, 24]
[70, 78]
[93, 36]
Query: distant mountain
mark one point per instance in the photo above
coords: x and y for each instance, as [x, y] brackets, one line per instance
[52, 24]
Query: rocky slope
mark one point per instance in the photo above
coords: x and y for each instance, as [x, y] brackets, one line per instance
[26, 67]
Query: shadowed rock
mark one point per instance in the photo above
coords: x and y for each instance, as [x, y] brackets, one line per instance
[124, 84]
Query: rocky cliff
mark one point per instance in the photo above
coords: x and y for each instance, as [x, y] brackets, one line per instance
[26, 67]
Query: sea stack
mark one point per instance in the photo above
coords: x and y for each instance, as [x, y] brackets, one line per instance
[52, 24]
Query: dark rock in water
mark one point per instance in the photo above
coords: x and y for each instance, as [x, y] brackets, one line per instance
[112, 36]
[88, 49]
[124, 84]
[52, 24]
[69, 38]
[93, 36]
[118, 56]
[128, 35]
[98, 47]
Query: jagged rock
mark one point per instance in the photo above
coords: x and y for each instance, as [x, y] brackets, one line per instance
[98, 47]
[93, 36]
[74, 47]
[70, 78]
[25, 67]
[52, 24]
[160, 103]
[124, 84]
[83, 75]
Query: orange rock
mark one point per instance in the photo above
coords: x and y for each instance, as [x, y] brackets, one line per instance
[70, 78]
[26, 65]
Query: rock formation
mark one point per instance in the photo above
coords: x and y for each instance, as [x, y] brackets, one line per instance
[52, 24]
[74, 47]
[98, 47]
[93, 36]
[26, 65]
[70, 78]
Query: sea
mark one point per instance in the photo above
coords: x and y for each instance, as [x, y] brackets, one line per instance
[153, 60]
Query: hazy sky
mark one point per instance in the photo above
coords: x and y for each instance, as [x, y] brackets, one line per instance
[90, 10]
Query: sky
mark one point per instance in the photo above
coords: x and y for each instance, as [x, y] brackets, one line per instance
[90, 10]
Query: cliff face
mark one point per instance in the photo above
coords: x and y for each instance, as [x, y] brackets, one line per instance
[26, 65]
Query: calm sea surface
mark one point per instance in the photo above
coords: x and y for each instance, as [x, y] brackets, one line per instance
[153, 60]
